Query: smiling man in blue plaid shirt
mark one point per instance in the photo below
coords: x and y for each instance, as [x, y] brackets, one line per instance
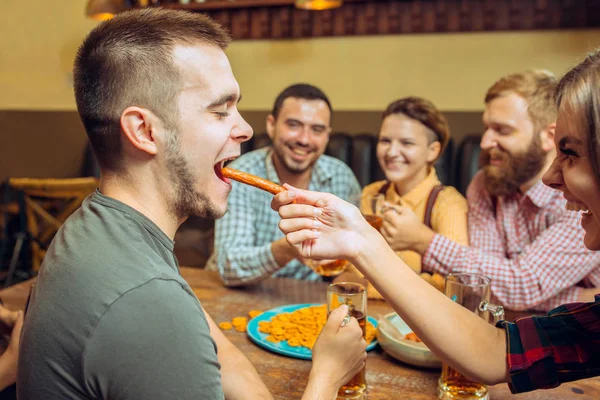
[249, 246]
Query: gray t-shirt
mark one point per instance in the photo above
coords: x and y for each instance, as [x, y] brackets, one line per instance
[111, 318]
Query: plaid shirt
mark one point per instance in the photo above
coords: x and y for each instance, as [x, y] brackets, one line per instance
[244, 235]
[562, 346]
[529, 245]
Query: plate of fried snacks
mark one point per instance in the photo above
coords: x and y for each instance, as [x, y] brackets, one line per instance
[398, 340]
[292, 330]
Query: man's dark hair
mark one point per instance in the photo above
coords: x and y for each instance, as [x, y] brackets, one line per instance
[127, 61]
[299, 91]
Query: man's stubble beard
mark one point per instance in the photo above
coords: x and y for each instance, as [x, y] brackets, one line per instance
[291, 167]
[187, 200]
[515, 169]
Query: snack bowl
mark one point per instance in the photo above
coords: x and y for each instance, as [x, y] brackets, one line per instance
[390, 335]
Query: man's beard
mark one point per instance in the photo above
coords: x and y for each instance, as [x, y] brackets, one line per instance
[514, 170]
[291, 166]
[187, 200]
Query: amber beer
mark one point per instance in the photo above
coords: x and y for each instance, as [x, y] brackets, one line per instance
[354, 296]
[358, 384]
[471, 291]
[374, 220]
[454, 385]
[372, 209]
[333, 268]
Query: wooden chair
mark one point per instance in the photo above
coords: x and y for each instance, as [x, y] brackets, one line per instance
[47, 204]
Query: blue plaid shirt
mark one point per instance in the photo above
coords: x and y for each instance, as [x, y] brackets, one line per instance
[244, 235]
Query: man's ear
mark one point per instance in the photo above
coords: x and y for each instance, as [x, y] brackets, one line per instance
[547, 137]
[139, 125]
[270, 126]
[433, 151]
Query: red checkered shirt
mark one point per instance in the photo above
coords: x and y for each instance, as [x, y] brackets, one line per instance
[546, 350]
[528, 244]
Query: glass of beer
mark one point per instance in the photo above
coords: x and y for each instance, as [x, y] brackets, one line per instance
[327, 267]
[471, 291]
[371, 207]
[354, 296]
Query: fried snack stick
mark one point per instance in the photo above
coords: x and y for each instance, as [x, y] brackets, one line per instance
[252, 180]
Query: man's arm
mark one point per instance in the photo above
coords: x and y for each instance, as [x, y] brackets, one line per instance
[544, 275]
[153, 342]
[283, 253]
[238, 376]
[243, 247]
[12, 322]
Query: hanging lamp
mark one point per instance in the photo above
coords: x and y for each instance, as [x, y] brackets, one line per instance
[317, 4]
[104, 9]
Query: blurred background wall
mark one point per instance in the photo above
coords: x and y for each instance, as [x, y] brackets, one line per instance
[41, 135]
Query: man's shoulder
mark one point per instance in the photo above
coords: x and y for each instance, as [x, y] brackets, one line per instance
[332, 163]
[171, 292]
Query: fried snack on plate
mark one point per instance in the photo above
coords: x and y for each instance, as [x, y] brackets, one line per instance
[301, 327]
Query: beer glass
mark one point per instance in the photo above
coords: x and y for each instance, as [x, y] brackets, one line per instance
[471, 291]
[354, 296]
[327, 267]
[371, 207]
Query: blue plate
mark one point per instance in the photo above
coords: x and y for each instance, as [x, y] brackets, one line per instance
[282, 347]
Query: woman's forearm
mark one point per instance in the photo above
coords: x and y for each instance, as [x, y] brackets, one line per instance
[455, 334]
[319, 389]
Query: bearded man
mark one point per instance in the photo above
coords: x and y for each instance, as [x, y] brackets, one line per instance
[249, 246]
[520, 233]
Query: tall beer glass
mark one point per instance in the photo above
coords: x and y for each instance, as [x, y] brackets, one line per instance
[471, 291]
[354, 296]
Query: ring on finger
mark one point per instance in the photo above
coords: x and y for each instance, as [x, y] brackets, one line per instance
[345, 321]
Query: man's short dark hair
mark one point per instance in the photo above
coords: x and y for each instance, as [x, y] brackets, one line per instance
[299, 91]
[128, 60]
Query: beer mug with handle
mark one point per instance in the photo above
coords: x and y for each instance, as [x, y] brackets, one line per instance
[471, 291]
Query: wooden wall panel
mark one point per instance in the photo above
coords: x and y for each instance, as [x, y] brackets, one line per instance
[278, 19]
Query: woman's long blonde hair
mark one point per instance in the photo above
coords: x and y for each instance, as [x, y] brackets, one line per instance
[578, 94]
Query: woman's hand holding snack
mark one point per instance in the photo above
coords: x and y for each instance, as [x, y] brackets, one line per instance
[321, 225]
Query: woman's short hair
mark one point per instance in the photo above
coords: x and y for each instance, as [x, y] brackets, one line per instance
[426, 113]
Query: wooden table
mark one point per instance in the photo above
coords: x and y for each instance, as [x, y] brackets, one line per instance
[286, 377]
